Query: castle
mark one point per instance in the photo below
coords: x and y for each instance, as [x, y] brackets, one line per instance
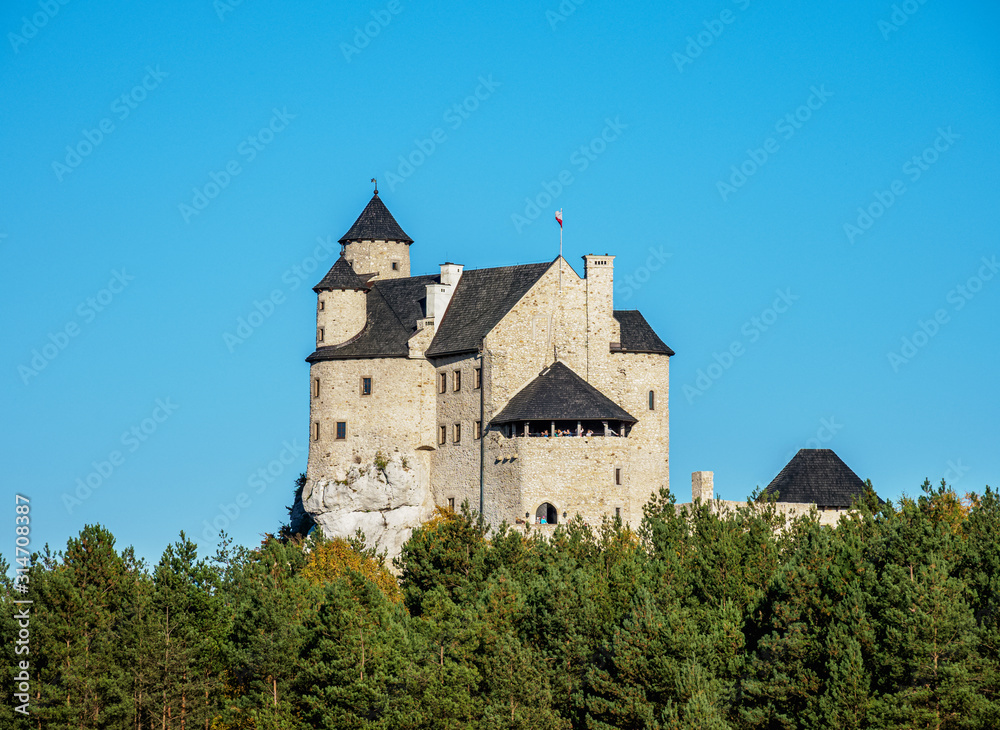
[520, 389]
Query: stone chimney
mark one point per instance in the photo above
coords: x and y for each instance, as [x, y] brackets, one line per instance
[438, 296]
[602, 327]
[701, 486]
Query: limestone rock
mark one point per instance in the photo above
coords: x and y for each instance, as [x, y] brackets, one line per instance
[386, 501]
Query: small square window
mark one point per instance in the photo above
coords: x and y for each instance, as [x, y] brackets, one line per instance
[442, 435]
[451, 503]
[341, 430]
[457, 380]
[477, 380]
[478, 432]
[320, 333]
[457, 433]
[618, 475]
[315, 431]
[442, 382]
[322, 305]
[315, 388]
[366, 386]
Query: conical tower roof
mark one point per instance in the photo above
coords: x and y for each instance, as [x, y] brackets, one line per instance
[376, 224]
[341, 276]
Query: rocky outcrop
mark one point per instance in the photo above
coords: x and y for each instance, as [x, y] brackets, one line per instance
[385, 500]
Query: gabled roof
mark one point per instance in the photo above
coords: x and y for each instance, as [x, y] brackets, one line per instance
[376, 224]
[341, 276]
[481, 299]
[394, 306]
[559, 394]
[816, 476]
[637, 335]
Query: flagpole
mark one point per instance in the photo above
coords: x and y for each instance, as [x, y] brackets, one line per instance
[560, 250]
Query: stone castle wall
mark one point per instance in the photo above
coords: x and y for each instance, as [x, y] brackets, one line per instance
[340, 315]
[377, 257]
[455, 466]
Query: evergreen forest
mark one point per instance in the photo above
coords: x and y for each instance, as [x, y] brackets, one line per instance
[693, 619]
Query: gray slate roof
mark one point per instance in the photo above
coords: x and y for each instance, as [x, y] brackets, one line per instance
[560, 394]
[482, 297]
[376, 224]
[341, 276]
[816, 476]
[637, 335]
[394, 306]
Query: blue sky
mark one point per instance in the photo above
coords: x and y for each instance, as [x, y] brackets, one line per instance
[802, 201]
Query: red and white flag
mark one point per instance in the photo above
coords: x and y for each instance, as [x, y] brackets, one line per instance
[559, 217]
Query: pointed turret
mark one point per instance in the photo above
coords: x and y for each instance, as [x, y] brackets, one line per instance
[376, 244]
[341, 304]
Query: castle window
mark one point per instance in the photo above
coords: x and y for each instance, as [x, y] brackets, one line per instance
[451, 503]
[315, 388]
[442, 435]
[322, 305]
[457, 433]
[442, 382]
[652, 401]
[315, 431]
[618, 475]
[457, 380]
[618, 513]
[366, 386]
[319, 334]
[477, 381]
[478, 431]
[395, 266]
[341, 430]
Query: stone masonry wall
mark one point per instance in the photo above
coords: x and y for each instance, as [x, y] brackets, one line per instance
[340, 314]
[455, 465]
[377, 257]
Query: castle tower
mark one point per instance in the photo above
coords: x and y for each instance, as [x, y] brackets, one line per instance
[340, 305]
[376, 244]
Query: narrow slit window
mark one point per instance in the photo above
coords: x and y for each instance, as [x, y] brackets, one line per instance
[442, 382]
[477, 380]
[618, 475]
[320, 334]
[315, 388]
[652, 400]
[451, 503]
[457, 433]
[442, 435]
[315, 431]
[322, 305]
[478, 431]
[341, 430]
[457, 380]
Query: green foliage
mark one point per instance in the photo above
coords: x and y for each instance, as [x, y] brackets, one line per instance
[700, 619]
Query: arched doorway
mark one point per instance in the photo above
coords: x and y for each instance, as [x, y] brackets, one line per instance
[546, 514]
